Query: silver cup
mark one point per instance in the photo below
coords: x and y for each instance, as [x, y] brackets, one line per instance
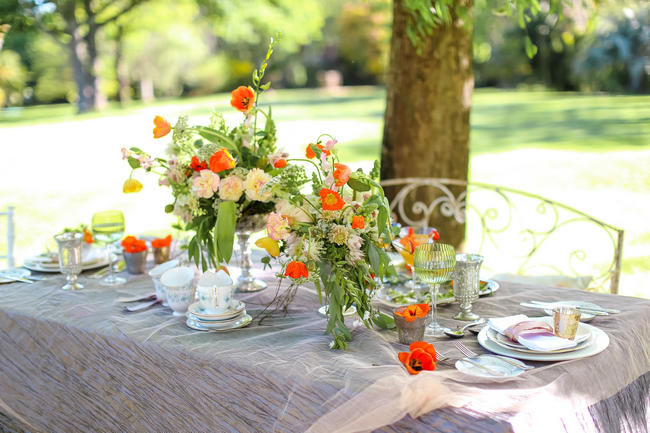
[70, 258]
[135, 262]
[466, 284]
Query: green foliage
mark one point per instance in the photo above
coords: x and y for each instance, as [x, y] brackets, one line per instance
[12, 78]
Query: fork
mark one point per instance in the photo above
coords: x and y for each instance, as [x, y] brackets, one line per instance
[471, 355]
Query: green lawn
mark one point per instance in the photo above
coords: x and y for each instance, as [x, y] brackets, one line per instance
[592, 152]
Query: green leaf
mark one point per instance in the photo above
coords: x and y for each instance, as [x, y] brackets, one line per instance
[384, 321]
[217, 137]
[169, 208]
[373, 256]
[136, 149]
[265, 86]
[531, 49]
[225, 229]
[133, 162]
[358, 182]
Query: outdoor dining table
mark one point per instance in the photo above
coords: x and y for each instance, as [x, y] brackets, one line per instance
[75, 361]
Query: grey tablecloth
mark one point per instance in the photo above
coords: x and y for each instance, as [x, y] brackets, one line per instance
[73, 361]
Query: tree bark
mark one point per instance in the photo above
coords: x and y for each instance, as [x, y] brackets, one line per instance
[426, 129]
[121, 68]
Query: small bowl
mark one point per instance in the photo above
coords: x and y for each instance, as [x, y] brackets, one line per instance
[155, 275]
[179, 286]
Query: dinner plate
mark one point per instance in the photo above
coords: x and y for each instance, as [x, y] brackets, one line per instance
[493, 362]
[202, 326]
[600, 343]
[14, 272]
[236, 309]
[491, 287]
[43, 263]
[504, 341]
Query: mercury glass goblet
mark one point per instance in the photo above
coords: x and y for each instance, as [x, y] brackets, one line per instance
[466, 284]
[434, 264]
[70, 258]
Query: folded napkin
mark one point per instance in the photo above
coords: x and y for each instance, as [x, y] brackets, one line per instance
[543, 341]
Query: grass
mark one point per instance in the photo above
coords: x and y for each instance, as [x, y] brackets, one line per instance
[589, 151]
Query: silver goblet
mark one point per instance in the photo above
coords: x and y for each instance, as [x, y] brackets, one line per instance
[70, 258]
[466, 284]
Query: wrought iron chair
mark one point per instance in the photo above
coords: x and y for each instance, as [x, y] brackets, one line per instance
[10, 236]
[516, 231]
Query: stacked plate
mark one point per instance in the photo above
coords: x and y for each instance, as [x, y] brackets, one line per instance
[590, 339]
[212, 320]
[49, 262]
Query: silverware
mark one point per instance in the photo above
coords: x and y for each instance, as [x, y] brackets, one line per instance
[141, 307]
[471, 354]
[117, 267]
[547, 306]
[149, 297]
[14, 278]
[594, 308]
[460, 331]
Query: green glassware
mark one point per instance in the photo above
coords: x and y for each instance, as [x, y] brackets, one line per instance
[108, 228]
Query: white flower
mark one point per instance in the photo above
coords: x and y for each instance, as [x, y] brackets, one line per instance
[313, 250]
[331, 344]
[254, 184]
[354, 243]
[232, 188]
[339, 235]
[295, 214]
[205, 184]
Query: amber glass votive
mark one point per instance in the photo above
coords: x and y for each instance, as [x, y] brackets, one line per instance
[565, 322]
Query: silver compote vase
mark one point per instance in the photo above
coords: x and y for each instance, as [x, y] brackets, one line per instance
[246, 226]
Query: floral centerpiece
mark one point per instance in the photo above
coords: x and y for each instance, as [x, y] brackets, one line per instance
[217, 174]
[333, 236]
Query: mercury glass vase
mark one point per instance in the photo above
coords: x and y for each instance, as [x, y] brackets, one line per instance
[246, 226]
[466, 284]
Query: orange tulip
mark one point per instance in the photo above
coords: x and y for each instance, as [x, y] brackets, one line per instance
[88, 237]
[412, 312]
[309, 153]
[417, 360]
[341, 174]
[358, 222]
[221, 160]
[296, 270]
[280, 163]
[427, 347]
[162, 242]
[331, 199]
[242, 98]
[161, 128]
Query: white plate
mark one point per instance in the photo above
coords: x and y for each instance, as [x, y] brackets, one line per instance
[504, 341]
[245, 320]
[600, 343]
[54, 267]
[491, 287]
[14, 272]
[216, 323]
[584, 317]
[493, 363]
[349, 312]
[236, 308]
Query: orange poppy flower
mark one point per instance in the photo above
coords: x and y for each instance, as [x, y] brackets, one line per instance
[296, 270]
[427, 347]
[341, 174]
[162, 242]
[358, 222]
[221, 160]
[417, 360]
[280, 163]
[331, 199]
[309, 153]
[161, 128]
[242, 98]
[129, 240]
[198, 165]
[412, 312]
[88, 237]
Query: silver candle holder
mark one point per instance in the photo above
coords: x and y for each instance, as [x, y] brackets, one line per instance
[466, 284]
[70, 258]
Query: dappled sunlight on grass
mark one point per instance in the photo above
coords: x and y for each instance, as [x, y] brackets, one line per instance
[590, 152]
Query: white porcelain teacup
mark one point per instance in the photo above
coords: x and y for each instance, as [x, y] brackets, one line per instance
[215, 291]
[179, 286]
[155, 275]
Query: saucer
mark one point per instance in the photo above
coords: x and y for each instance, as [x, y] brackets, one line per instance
[494, 363]
[236, 308]
[207, 323]
[201, 326]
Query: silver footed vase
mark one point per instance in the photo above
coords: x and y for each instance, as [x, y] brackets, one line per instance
[245, 227]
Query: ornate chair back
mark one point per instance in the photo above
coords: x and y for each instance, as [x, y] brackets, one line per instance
[518, 232]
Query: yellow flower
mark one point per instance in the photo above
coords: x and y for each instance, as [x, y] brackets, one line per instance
[131, 185]
[271, 246]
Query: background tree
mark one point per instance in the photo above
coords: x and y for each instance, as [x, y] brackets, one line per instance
[429, 91]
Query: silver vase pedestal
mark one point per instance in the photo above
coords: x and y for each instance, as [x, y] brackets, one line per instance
[246, 226]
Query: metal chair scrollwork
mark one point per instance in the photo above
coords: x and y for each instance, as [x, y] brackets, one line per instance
[516, 231]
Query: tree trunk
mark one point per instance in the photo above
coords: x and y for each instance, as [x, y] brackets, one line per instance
[426, 130]
[121, 67]
[78, 53]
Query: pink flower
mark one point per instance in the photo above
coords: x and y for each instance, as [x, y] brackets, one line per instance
[330, 145]
[277, 226]
[231, 188]
[254, 183]
[125, 153]
[145, 161]
[205, 184]
[163, 181]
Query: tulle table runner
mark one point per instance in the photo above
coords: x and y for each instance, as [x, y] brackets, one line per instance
[73, 361]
